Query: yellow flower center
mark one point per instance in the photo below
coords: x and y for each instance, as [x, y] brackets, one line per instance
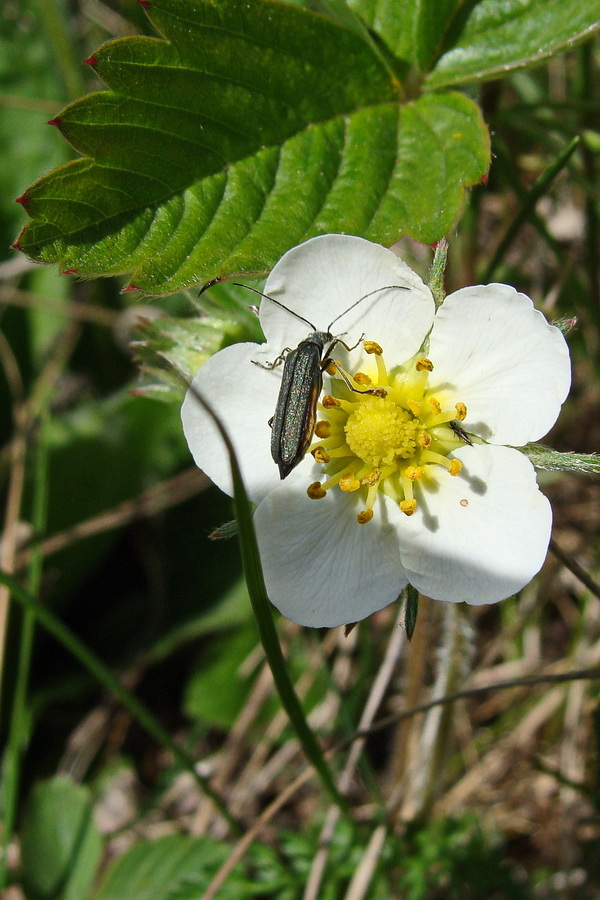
[387, 431]
[379, 430]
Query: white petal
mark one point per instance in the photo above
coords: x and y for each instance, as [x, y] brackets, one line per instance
[323, 277]
[500, 357]
[243, 396]
[484, 534]
[321, 567]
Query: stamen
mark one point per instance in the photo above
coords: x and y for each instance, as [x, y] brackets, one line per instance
[349, 483]
[429, 456]
[424, 364]
[382, 373]
[323, 429]
[371, 477]
[371, 494]
[336, 478]
[321, 455]
[455, 467]
[386, 433]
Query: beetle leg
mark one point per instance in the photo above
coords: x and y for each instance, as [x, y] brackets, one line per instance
[276, 362]
[345, 345]
[375, 392]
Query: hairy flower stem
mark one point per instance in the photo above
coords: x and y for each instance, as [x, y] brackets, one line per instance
[419, 789]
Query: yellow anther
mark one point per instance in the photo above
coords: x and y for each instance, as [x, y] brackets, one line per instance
[423, 363]
[414, 472]
[415, 407]
[321, 455]
[323, 429]
[361, 378]
[424, 440]
[331, 369]
[372, 347]
[364, 516]
[371, 477]
[408, 506]
[329, 402]
[349, 483]
[315, 491]
[461, 412]
[455, 467]
[435, 406]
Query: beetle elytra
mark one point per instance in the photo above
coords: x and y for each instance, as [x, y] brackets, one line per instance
[293, 422]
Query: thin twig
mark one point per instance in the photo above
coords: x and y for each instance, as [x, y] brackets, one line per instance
[162, 496]
[575, 569]
[16, 481]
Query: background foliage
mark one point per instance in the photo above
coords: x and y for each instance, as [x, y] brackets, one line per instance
[208, 150]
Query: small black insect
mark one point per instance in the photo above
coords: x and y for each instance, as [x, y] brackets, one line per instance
[293, 422]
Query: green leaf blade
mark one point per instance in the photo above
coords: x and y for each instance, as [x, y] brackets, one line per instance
[443, 146]
[414, 31]
[206, 161]
[512, 34]
[60, 845]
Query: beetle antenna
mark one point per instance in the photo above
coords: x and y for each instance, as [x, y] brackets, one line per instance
[387, 287]
[210, 284]
[276, 302]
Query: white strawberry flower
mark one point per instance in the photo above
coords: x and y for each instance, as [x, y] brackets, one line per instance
[409, 478]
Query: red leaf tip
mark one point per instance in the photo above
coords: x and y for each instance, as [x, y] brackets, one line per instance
[15, 246]
[69, 272]
[129, 289]
[55, 121]
[23, 199]
[145, 4]
[484, 178]
[90, 61]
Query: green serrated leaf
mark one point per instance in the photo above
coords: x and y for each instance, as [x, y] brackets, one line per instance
[174, 347]
[239, 136]
[499, 35]
[60, 845]
[414, 31]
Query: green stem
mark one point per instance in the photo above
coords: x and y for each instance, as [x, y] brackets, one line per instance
[266, 625]
[104, 676]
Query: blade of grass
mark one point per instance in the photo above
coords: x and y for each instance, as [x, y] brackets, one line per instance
[266, 626]
[105, 677]
[505, 166]
[18, 725]
[538, 190]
